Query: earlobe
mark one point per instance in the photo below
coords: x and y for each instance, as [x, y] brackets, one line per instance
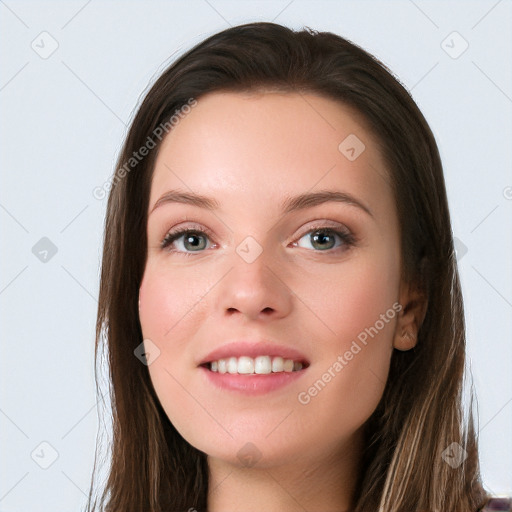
[405, 341]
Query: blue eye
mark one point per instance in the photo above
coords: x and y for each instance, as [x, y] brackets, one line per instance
[194, 240]
[323, 238]
[192, 236]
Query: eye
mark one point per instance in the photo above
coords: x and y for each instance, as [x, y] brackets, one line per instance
[192, 240]
[323, 238]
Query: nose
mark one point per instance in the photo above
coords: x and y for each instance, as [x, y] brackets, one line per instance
[255, 290]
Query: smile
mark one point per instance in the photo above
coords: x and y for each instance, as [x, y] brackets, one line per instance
[259, 365]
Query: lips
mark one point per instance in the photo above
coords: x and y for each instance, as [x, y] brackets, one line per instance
[253, 350]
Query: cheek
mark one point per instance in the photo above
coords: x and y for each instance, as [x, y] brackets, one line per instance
[158, 299]
[358, 324]
[346, 303]
[166, 297]
[169, 299]
[170, 302]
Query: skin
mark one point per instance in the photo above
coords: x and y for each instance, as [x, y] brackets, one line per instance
[250, 152]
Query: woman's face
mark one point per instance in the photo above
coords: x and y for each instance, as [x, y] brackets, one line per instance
[256, 270]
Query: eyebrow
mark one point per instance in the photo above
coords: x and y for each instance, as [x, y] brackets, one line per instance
[290, 204]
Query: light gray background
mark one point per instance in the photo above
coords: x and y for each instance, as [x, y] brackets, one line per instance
[63, 119]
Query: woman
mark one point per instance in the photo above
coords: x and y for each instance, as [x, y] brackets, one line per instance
[253, 368]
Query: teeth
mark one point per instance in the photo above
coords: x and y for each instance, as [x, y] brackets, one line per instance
[258, 365]
[245, 364]
[288, 365]
[262, 364]
[232, 365]
[277, 364]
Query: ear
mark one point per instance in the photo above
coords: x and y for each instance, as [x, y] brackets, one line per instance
[414, 308]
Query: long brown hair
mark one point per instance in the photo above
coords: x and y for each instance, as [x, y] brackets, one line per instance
[420, 417]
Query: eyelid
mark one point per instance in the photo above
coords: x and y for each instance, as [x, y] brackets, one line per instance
[348, 238]
[324, 224]
[315, 224]
[181, 230]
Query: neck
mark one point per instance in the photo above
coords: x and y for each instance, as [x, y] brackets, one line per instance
[310, 482]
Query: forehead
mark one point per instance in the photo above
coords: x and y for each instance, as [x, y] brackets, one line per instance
[254, 149]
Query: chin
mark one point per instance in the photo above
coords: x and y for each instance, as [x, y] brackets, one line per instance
[251, 449]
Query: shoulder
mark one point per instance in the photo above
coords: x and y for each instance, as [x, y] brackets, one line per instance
[498, 504]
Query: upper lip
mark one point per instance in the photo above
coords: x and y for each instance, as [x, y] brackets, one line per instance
[253, 349]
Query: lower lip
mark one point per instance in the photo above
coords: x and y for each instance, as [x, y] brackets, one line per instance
[252, 384]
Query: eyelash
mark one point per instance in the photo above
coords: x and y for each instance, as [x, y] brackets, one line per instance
[346, 237]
